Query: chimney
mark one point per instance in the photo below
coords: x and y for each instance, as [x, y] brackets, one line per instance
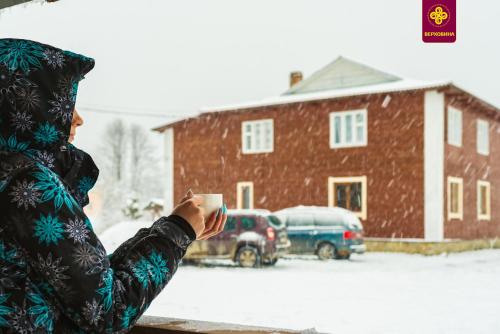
[295, 77]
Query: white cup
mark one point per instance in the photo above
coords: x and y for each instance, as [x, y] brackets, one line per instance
[210, 203]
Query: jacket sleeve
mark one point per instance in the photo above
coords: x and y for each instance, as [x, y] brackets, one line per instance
[99, 293]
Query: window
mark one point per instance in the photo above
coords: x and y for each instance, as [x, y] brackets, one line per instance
[349, 193]
[257, 136]
[244, 195]
[455, 198]
[483, 200]
[248, 223]
[483, 145]
[230, 223]
[454, 126]
[348, 128]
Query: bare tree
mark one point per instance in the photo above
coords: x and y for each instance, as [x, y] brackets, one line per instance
[114, 149]
[141, 159]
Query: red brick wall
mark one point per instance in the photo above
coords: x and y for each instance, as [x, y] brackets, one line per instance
[466, 163]
[208, 158]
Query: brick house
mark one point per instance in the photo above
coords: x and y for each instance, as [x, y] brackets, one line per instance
[412, 159]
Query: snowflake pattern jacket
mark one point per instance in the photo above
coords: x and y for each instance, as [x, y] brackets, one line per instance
[55, 275]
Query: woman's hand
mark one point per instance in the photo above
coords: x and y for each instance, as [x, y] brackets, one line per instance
[213, 226]
[189, 209]
[215, 223]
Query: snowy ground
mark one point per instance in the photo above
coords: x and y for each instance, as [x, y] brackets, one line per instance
[372, 293]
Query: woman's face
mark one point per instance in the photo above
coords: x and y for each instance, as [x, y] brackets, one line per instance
[75, 122]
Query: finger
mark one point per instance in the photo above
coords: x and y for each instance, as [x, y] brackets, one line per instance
[209, 226]
[222, 223]
[197, 200]
[217, 224]
[188, 195]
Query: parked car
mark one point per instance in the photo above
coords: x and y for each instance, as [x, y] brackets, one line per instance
[250, 238]
[328, 232]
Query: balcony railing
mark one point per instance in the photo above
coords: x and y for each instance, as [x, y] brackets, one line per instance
[161, 325]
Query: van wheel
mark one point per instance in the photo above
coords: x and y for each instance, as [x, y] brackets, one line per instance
[248, 257]
[325, 251]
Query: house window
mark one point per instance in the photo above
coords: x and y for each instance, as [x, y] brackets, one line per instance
[483, 200]
[455, 198]
[244, 195]
[349, 193]
[483, 145]
[454, 126]
[257, 136]
[348, 128]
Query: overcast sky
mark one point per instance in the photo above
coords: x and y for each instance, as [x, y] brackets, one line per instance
[174, 57]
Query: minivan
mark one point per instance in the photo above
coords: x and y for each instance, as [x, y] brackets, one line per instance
[328, 232]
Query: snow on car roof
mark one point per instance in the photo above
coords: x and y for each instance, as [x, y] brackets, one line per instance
[257, 212]
[322, 211]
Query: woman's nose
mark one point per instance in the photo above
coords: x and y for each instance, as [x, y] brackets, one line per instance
[77, 119]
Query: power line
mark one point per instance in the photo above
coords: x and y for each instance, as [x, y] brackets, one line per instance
[117, 111]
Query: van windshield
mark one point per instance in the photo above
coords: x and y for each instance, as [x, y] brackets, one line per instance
[275, 222]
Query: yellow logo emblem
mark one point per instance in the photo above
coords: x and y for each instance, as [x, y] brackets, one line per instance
[438, 15]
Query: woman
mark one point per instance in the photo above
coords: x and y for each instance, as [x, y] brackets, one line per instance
[55, 275]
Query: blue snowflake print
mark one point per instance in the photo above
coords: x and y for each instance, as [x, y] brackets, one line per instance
[48, 229]
[152, 268]
[53, 189]
[7, 255]
[4, 310]
[85, 184]
[41, 311]
[127, 316]
[12, 145]
[46, 134]
[107, 290]
[20, 54]
[159, 268]
[141, 271]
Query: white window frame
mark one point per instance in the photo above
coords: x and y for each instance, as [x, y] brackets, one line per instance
[342, 115]
[454, 132]
[350, 179]
[239, 194]
[479, 140]
[460, 213]
[480, 184]
[262, 137]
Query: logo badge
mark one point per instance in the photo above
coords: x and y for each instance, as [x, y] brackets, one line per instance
[439, 21]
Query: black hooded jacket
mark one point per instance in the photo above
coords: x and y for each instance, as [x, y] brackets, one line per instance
[55, 275]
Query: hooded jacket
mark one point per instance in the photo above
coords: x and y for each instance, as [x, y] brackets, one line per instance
[55, 275]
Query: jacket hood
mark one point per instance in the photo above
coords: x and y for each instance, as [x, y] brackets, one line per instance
[38, 89]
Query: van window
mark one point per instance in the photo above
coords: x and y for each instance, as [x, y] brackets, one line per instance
[230, 223]
[275, 221]
[248, 223]
[300, 220]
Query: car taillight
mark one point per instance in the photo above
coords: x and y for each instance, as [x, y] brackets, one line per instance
[270, 233]
[352, 235]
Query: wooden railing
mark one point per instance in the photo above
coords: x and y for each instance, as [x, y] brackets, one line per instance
[161, 325]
